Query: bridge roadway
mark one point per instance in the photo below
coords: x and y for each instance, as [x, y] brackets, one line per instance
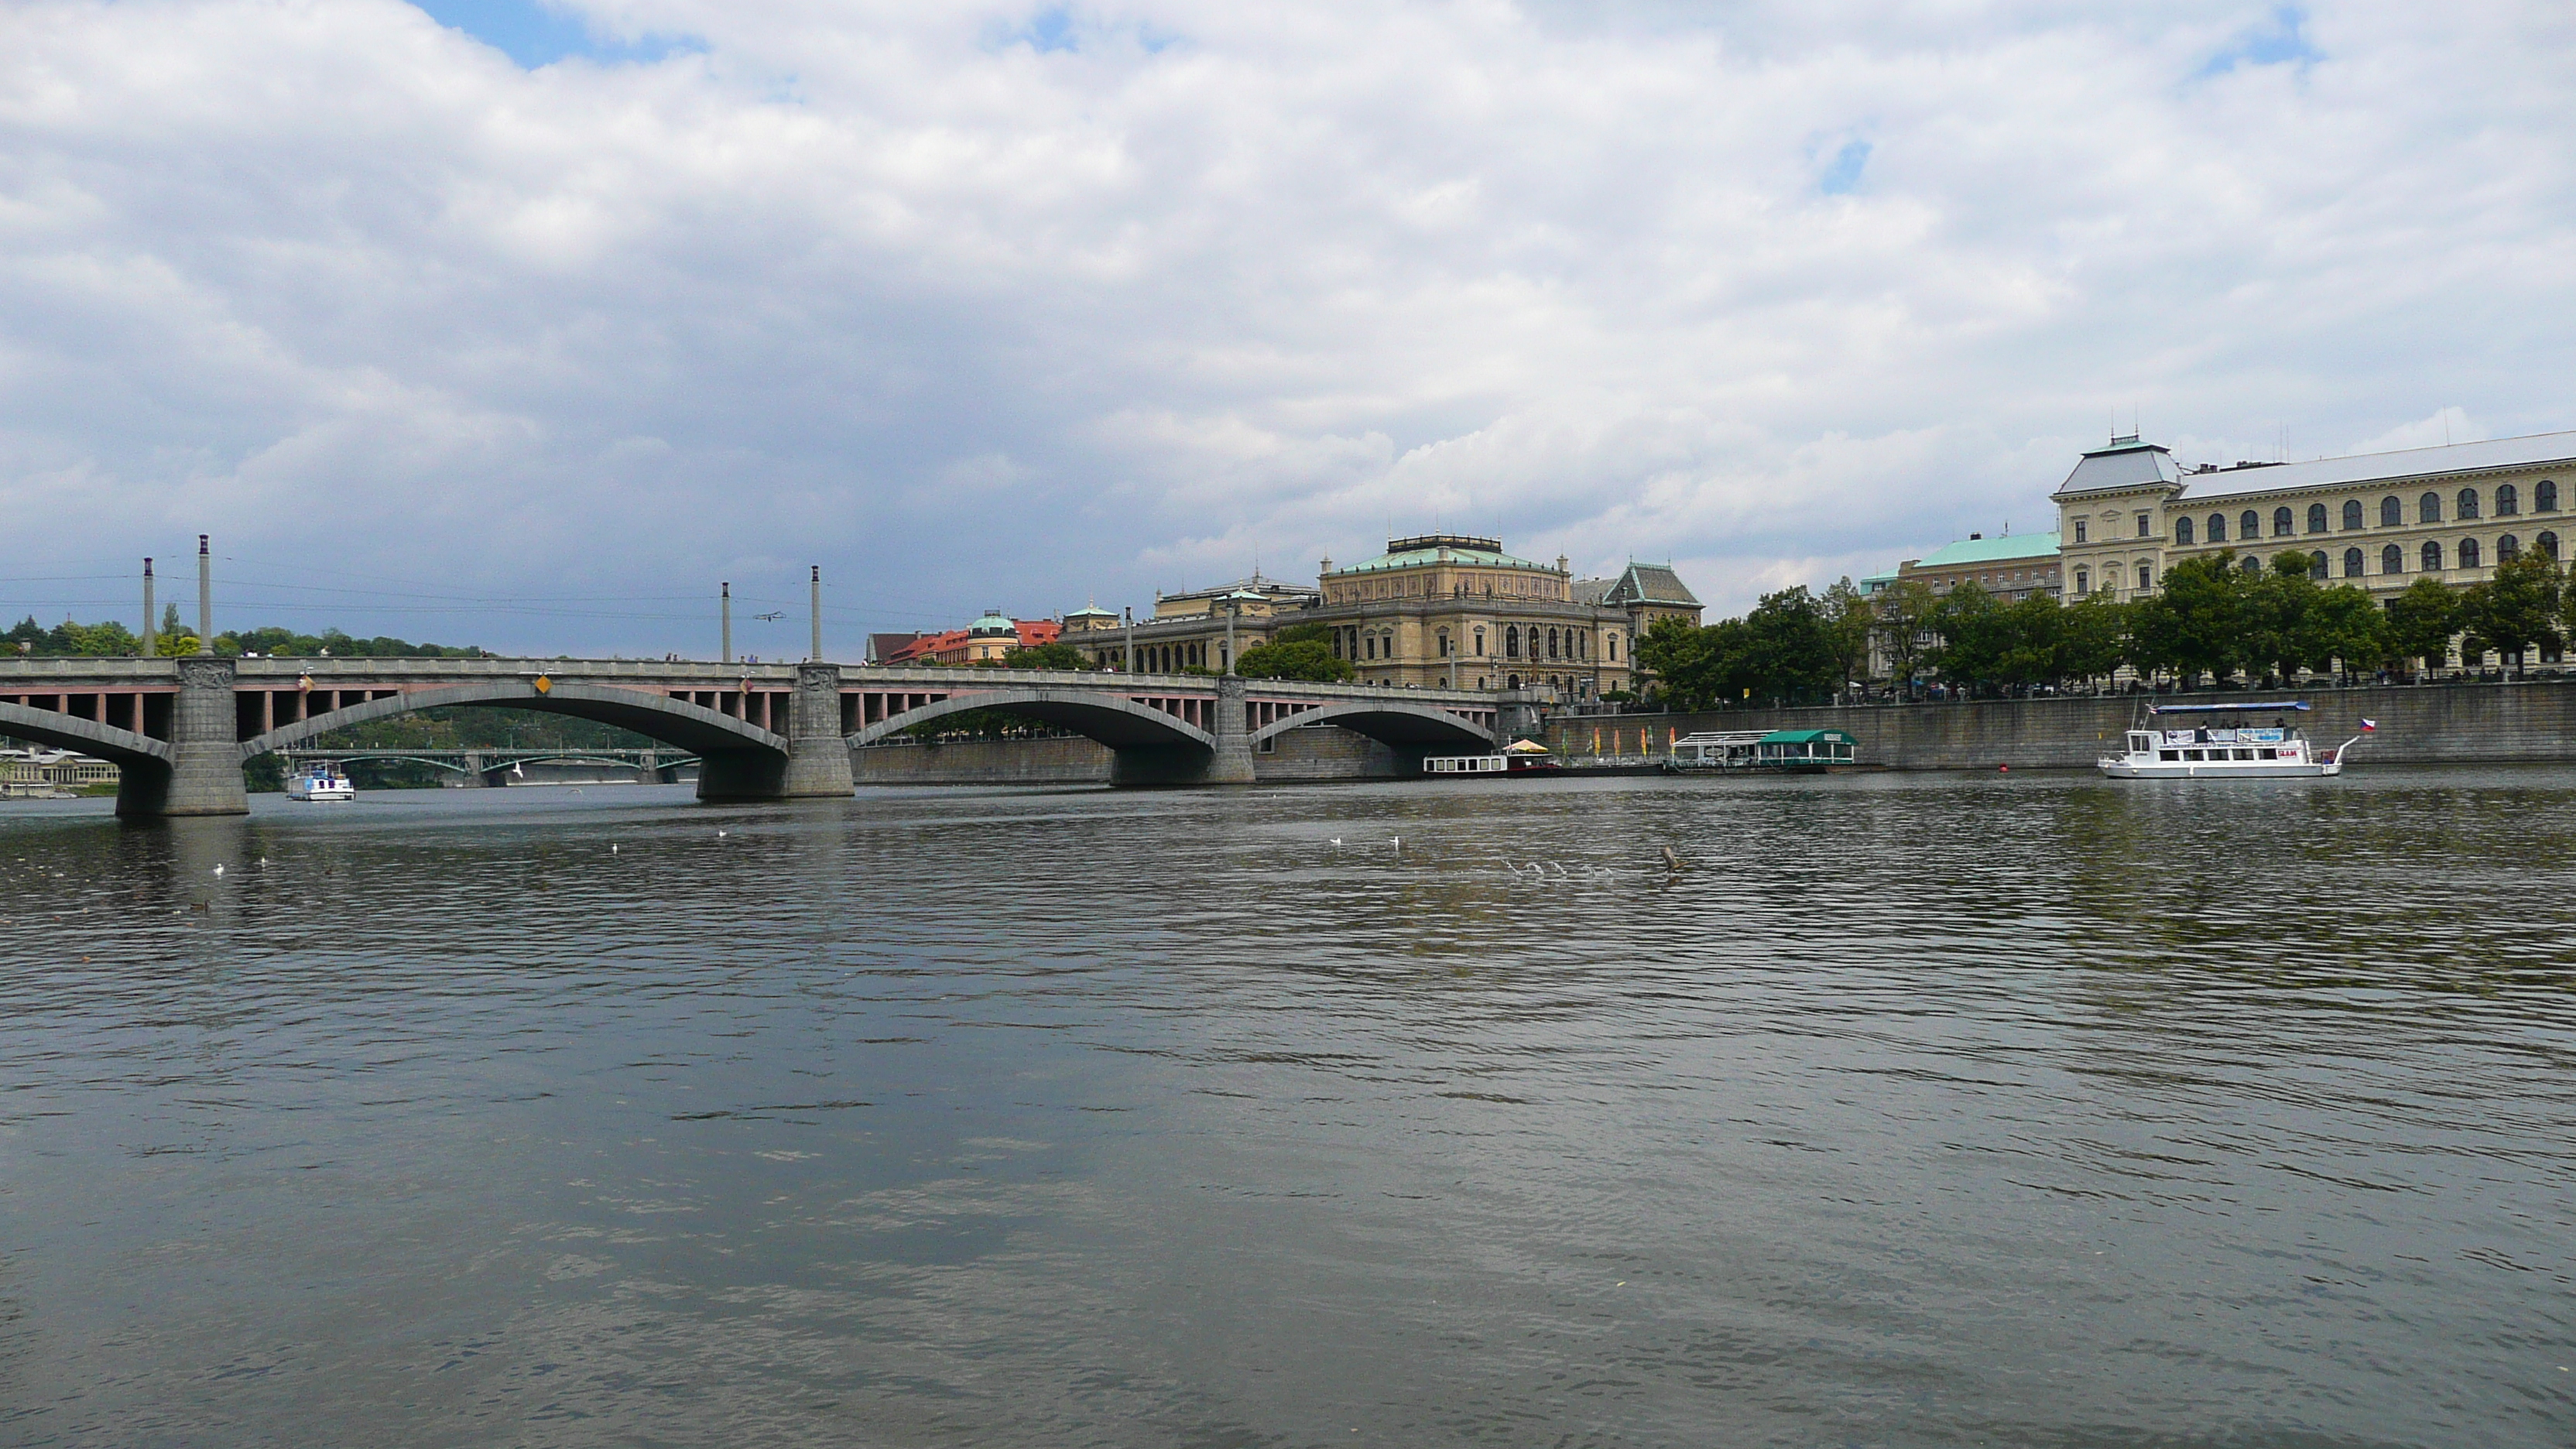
[181, 729]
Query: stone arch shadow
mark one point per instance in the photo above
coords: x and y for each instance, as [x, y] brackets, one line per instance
[1412, 730]
[738, 760]
[1149, 746]
[142, 761]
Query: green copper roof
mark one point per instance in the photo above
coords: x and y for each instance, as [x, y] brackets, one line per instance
[2010, 546]
[993, 623]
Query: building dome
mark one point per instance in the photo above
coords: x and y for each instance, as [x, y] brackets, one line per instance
[993, 626]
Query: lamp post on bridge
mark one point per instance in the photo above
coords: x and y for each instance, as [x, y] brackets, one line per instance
[148, 650]
[1131, 638]
[205, 598]
[815, 601]
[727, 595]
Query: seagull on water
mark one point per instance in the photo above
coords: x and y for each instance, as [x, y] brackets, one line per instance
[219, 870]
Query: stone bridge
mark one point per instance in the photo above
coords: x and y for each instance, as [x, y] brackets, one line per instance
[181, 729]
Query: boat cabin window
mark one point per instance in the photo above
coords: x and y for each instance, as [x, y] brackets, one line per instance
[2169, 756]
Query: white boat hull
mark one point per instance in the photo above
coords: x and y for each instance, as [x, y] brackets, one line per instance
[322, 794]
[2123, 769]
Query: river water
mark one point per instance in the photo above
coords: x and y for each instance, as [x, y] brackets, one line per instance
[2016, 1110]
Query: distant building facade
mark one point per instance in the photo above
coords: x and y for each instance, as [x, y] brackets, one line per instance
[1442, 609]
[1433, 611]
[2128, 512]
[985, 641]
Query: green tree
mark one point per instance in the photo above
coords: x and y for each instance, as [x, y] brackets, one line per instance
[1850, 618]
[1677, 655]
[2033, 643]
[2516, 608]
[2093, 631]
[1788, 646]
[2421, 621]
[1305, 634]
[2345, 624]
[1293, 659]
[1974, 633]
[1058, 655]
[2276, 609]
[2196, 625]
[1904, 626]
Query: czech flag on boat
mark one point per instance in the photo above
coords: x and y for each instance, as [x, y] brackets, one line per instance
[2368, 725]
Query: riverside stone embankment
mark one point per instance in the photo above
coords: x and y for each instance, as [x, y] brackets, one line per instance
[2530, 721]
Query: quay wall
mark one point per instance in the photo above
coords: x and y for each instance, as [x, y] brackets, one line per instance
[2530, 721]
[1324, 752]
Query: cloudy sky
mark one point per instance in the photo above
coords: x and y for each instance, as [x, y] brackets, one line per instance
[525, 323]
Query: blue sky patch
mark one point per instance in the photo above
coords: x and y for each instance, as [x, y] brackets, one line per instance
[2281, 40]
[1842, 176]
[533, 33]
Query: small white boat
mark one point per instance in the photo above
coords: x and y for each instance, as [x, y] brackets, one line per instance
[2235, 742]
[320, 780]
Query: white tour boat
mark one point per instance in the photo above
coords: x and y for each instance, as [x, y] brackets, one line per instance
[319, 780]
[2235, 742]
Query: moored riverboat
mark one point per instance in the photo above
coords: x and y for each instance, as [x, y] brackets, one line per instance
[2226, 742]
[319, 781]
[1794, 752]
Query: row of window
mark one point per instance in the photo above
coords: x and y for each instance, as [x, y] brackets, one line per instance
[2392, 560]
[2392, 514]
[1557, 644]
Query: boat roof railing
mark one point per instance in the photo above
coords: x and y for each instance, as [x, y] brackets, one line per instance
[2225, 708]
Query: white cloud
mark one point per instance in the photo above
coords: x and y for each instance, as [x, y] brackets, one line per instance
[1036, 303]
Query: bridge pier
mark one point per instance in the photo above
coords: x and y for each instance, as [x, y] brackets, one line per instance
[204, 776]
[474, 772]
[817, 762]
[818, 758]
[1231, 763]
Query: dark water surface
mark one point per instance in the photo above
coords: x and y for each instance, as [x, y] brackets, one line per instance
[1919, 1110]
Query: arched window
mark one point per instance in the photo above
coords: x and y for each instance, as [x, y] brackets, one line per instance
[2182, 532]
[2392, 514]
[2392, 560]
[2146, 577]
[2253, 565]
[2083, 585]
[2352, 513]
[2352, 563]
[2280, 523]
[2432, 555]
[2468, 553]
[2249, 524]
[2428, 509]
[2316, 518]
[2218, 528]
[2468, 506]
[1480, 643]
[1614, 646]
[1551, 645]
[2547, 543]
[1512, 644]
[2317, 566]
[2508, 500]
[2508, 547]
[2544, 496]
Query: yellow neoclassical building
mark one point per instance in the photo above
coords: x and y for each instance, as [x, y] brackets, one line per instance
[2128, 512]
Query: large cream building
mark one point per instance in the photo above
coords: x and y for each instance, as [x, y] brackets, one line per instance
[2127, 513]
[1435, 611]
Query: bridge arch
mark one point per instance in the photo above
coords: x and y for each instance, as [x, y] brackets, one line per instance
[736, 758]
[1388, 721]
[1119, 723]
[123, 748]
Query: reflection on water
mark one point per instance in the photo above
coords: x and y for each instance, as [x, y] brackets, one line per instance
[1920, 1110]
